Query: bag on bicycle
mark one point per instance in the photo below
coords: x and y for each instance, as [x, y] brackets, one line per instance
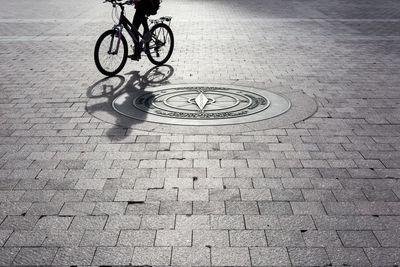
[153, 6]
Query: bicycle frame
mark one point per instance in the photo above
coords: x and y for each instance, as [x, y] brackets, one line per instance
[124, 23]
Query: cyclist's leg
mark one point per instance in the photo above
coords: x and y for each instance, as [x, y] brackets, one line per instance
[138, 19]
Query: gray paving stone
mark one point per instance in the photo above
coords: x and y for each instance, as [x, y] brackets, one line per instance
[304, 208]
[136, 238]
[173, 238]
[112, 256]
[278, 238]
[74, 256]
[262, 222]
[7, 255]
[188, 222]
[308, 256]
[262, 256]
[321, 239]
[151, 256]
[224, 194]
[347, 256]
[358, 239]
[63, 238]
[287, 195]
[140, 208]
[77, 208]
[191, 256]
[123, 222]
[35, 256]
[19, 222]
[296, 222]
[227, 222]
[158, 222]
[53, 223]
[241, 207]
[275, 208]
[383, 256]
[26, 239]
[212, 238]
[88, 222]
[110, 208]
[208, 207]
[230, 256]
[4, 235]
[175, 207]
[247, 238]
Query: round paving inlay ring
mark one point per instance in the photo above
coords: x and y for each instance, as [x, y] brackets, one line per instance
[201, 105]
[197, 108]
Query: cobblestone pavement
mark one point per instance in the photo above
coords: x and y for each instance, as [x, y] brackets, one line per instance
[75, 190]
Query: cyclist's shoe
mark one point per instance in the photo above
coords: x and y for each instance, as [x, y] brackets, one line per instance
[135, 56]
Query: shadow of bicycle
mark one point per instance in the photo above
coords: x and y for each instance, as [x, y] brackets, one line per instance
[102, 94]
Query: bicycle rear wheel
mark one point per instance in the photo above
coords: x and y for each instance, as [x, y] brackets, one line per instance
[159, 48]
[109, 56]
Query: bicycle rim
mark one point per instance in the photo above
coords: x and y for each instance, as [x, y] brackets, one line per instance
[161, 44]
[110, 58]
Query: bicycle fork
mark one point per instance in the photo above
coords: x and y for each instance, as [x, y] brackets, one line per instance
[118, 28]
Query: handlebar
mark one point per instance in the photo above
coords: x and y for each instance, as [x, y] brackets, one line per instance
[115, 2]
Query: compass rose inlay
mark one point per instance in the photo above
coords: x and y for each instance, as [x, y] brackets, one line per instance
[201, 105]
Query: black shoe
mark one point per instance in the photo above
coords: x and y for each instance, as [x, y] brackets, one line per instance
[135, 56]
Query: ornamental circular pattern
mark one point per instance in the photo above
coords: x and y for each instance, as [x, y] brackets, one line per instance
[206, 105]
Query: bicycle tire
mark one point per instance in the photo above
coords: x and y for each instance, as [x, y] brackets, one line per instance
[112, 71]
[155, 44]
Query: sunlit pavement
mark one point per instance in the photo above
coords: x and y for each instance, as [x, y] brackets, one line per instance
[77, 190]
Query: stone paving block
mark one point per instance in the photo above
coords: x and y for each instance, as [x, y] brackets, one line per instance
[151, 256]
[349, 195]
[96, 238]
[148, 207]
[77, 208]
[275, 208]
[340, 208]
[149, 183]
[231, 256]
[247, 238]
[192, 172]
[68, 195]
[190, 256]
[130, 195]
[321, 239]
[233, 183]
[175, 207]
[217, 172]
[224, 194]
[4, 235]
[255, 194]
[180, 183]
[348, 223]
[35, 256]
[193, 195]
[347, 256]
[158, 222]
[136, 238]
[383, 256]
[26, 239]
[308, 256]
[123, 222]
[277, 173]
[189, 222]
[304, 208]
[389, 238]
[175, 238]
[318, 195]
[241, 207]
[297, 222]
[380, 195]
[88, 222]
[63, 238]
[74, 256]
[358, 239]
[44, 208]
[208, 207]
[278, 238]
[162, 195]
[208, 183]
[227, 222]
[7, 255]
[287, 194]
[113, 256]
[95, 184]
[263, 256]
[110, 208]
[19, 222]
[248, 172]
[53, 223]
[213, 238]
[262, 222]
[37, 195]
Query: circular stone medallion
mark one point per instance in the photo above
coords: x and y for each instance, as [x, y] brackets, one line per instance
[208, 105]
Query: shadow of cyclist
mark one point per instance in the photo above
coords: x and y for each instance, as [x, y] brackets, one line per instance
[102, 94]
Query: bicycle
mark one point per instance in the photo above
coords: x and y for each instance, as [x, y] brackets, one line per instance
[157, 43]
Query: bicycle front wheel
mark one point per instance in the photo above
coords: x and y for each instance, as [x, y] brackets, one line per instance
[159, 48]
[110, 55]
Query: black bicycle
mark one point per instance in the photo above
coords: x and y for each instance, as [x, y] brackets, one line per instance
[111, 50]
